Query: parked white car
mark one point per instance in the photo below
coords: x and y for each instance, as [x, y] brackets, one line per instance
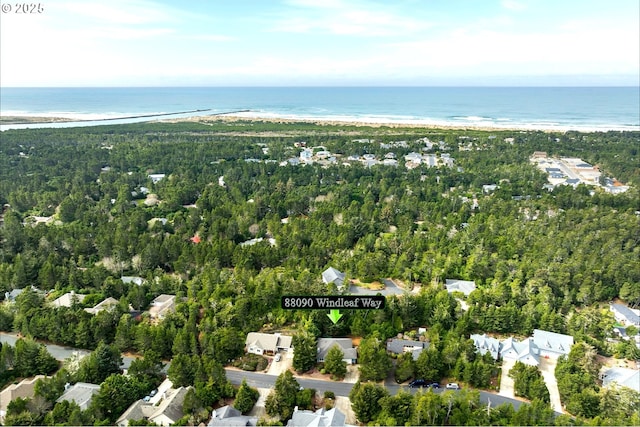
[278, 357]
[453, 386]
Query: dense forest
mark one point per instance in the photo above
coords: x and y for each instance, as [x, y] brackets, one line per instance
[80, 211]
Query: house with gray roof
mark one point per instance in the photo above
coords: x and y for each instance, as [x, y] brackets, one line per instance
[106, 304]
[230, 416]
[398, 346]
[345, 344]
[331, 275]
[24, 389]
[485, 344]
[525, 351]
[261, 343]
[67, 299]
[319, 418]
[551, 344]
[165, 412]
[625, 315]
[623, 377]
[80, 393]
[11, 296]
[464, 286]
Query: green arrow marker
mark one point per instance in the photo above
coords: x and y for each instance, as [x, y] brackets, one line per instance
[334, 315]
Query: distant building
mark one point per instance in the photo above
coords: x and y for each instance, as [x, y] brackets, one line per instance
[624, 377]
[464, 286]
[345, 344]
[80, 393]
[162, 306]
[24, 389]
[67, 299]
[625, 315]
[156, 177]
[331, 275]
[105, 304]
[132, 279]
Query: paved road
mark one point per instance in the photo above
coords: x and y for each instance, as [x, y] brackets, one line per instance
[262, 380]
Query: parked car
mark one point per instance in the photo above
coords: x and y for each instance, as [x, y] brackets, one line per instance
[418, 383]
[433, 385]
[278, 357]
[453, 386]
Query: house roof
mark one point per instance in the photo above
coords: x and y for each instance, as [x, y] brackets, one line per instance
[230, 416]
[398, 346]
[103, 305]
[331, 275]
[11, 296]
[522, 351]
[486, 344]
[319, 418]
[66, 300]
[627, 313]
[269, 342]
[170, 406]
[345, 344]
[132, 279]
[624, 377]
[24, 388]
[551, 341]
[81, 393]
[464, 286]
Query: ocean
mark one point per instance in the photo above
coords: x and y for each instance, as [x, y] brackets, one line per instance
[545, 108]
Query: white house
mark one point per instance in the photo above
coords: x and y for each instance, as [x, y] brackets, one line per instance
[67, 299]
[624, 377]
[331, 275]
[552, 344]
[345, 344]
[80, 393]
[525, 351]
[485, 344]
[260, 343]
[464, 286]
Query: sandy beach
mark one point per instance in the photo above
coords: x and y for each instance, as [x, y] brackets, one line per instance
[19, 120]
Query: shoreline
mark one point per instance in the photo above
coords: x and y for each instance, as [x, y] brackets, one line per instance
[412, 124]
[365, 122]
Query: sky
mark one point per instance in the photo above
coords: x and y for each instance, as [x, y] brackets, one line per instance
[321, 43]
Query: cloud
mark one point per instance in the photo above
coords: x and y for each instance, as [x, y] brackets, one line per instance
[346, 18]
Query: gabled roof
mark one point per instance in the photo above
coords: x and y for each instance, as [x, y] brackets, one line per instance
[525, 351]
[320, 418]
[624, 377]
[230, 416]
[66, 300]
[398, 346]
[486, 344]
[269, 342]
[345, 344]
[80, 393]
[103, 305]
[553, 342]
[331, 275]
[631, 316]
[464, 286]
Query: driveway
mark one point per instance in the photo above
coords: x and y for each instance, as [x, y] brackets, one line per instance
[548, 368]
[286, 361]
[506, 382]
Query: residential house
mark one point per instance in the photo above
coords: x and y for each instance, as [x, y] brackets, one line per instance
[162, 306]
[230, 416]
[133, 279]
[156, 177]
[331, 275]
[398, 346]
[260, 343]
[345, 344]
[80, 393]
[552, 344]
[464, 286]
[319, 418]
[525, 351]
[485, 344]
[105, 304]
[624, 377]
[24, 389]
[68, 299]
[625, 315]
[11, 296]
[167, 410]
